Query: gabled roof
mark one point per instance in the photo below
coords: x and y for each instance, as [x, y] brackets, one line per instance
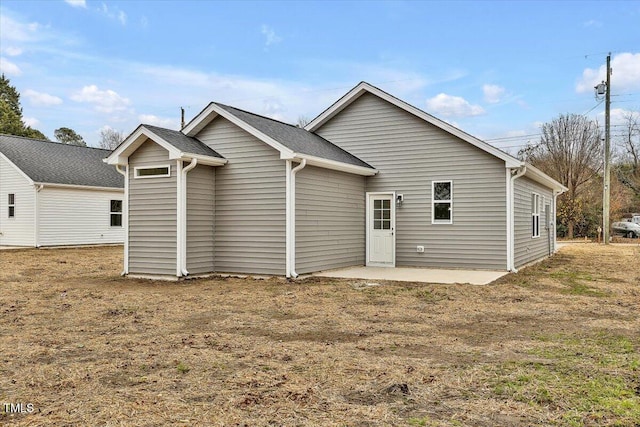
[291, 141]
[45, 162]
[182, 142]
[364, 87]
[296, 139]
[179, 146]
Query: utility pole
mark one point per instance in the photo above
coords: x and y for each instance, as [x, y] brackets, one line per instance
[606, 199]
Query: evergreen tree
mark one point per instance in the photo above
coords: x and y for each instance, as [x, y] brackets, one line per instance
[69, 136]
[11, 121]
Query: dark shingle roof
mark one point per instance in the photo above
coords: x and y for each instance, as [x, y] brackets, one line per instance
[296, 139]
[54, 163]
[182, 142]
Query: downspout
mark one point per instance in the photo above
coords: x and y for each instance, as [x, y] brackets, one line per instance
[179, 165]
[511, 217]
[125, 216]
[287, 221]
[183, 225]
[292, 217]
[36, 219]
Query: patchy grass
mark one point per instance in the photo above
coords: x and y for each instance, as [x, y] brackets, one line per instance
[555, 344]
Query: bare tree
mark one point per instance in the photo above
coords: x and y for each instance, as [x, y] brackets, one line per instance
[629, 166]
[110, 138]
[570, 151]
[302, 121]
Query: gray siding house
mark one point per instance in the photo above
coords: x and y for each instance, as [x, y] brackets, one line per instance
[370, 181]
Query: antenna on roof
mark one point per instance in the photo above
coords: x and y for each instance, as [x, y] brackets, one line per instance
[181, 118]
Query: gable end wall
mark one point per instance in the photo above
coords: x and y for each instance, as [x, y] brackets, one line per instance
[410, 153]
[250, 202]
[152, 214]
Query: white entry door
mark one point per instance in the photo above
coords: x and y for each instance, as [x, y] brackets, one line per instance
[381, 240]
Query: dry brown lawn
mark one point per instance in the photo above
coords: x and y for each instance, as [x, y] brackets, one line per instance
[556, 344]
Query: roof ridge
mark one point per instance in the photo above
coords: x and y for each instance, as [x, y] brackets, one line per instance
[258, 115]
[297, 128]
[52, 142]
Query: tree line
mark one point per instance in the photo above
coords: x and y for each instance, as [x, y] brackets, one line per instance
[12, 122]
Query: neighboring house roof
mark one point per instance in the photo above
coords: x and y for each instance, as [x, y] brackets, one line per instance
[179, 146]
[45, 162]
[364, 87]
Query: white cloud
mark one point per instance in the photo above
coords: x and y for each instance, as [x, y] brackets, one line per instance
[271, 37]
[116, 14]
[592, 23]
[14, 31]
[493, 93]
[151, 119]
[104, 101]
[625, 74]
[617, 117]
[41, 98]
[452, 106]
[30, 121]
[77, 3]
[12, 51]
[9, 68]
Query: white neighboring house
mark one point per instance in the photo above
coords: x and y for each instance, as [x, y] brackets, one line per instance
[55, 194]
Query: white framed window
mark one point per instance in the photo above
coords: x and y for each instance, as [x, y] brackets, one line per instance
[152, 171]
[115, 213]
[535, 215]
[442, 202]
[11, 206]
[382, 214]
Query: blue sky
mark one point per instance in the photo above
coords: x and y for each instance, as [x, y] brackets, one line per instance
[495, 69]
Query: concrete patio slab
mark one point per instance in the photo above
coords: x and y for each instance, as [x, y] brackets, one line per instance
[405, 274]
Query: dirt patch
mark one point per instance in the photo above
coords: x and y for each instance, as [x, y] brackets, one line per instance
[555, 344]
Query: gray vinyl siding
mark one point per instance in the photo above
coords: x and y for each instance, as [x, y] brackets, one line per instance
[200, 219]
[410, 153]
[330, 219]
[250, 202]
[152, 214]
[526, 247]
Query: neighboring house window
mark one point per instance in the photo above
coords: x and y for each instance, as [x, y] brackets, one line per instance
[535, 215]
[152, 172]
[12, 205]
[116, 213]
[441, 202]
